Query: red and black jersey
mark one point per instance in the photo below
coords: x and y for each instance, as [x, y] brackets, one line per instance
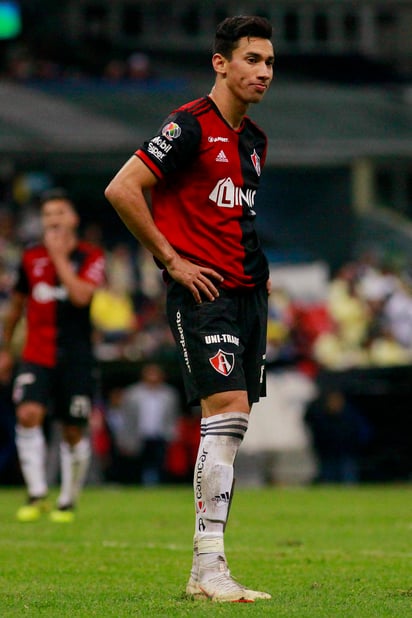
[55, 327]
[205, 198]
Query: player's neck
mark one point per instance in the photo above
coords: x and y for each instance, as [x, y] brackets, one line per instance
[232, 110]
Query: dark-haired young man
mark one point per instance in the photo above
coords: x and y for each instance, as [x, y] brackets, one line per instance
[55, 286]
[203, 169]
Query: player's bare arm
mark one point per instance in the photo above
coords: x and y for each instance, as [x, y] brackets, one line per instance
[14, 313]
[59, 243]
[126, 194]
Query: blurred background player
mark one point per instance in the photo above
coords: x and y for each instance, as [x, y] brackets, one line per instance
[203, 168]
[54, 289]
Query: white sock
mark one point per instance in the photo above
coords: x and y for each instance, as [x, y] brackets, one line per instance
[74, 461]
[31, 448]
[194, 569]
[213, 478]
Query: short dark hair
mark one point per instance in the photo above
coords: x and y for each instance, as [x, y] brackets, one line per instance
[231, 29]
[56, 193]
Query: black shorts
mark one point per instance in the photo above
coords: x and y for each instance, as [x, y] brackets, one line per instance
[221, 344]
[65, 390]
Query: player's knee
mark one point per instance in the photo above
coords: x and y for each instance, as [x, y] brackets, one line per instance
[30, 414]
[227, 401]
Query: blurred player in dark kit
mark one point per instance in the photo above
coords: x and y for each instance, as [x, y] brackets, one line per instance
[54, 289]
[203, 169]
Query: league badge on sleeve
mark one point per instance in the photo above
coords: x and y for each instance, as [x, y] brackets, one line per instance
[171, 131]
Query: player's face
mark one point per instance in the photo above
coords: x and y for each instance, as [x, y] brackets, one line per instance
[249, 72]
[58, 214]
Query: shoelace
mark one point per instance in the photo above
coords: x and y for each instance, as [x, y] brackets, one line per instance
[224, 583]
[223, 579]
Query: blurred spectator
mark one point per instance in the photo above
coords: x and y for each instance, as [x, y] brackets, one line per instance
[93, 233]
[397, 313]
[101, 443]
[338, 433]
[128, 313]
[29, 228]
[280, 347]
[155, 406]
[125, 442]
[113, 318]
[385, 351]
[154, 335]
[112, 309]
[182, 450]
[138, 66]
[333, 351]
[347, 308]
[10, 248]
[121, 268]
[10, 252]
[276, 441]
[151, 282]
[115, 70]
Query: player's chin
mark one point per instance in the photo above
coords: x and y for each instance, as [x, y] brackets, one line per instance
[257, 97]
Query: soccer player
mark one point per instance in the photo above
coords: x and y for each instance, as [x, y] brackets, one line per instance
[203, 169]
[54, 289]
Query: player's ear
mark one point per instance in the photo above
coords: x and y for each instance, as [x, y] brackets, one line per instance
[219, 64]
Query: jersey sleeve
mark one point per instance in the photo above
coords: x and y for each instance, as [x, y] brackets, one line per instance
[173, 146]
[93, 268]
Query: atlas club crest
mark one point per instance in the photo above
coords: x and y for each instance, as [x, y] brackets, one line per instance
[223, 362]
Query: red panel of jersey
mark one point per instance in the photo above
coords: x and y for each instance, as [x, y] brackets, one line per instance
[54, 325]
[204, 201]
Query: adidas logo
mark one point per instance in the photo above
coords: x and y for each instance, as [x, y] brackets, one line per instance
[222, 158]
[223, 497]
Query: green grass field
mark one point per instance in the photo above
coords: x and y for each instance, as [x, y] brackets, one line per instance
[320, 552]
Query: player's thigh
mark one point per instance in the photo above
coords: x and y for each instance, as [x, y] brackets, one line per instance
[208, 343]
[31, 393]
[254, 334]
[74, 394]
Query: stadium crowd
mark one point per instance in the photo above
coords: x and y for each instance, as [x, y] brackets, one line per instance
[23, 64]
[363, 320]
